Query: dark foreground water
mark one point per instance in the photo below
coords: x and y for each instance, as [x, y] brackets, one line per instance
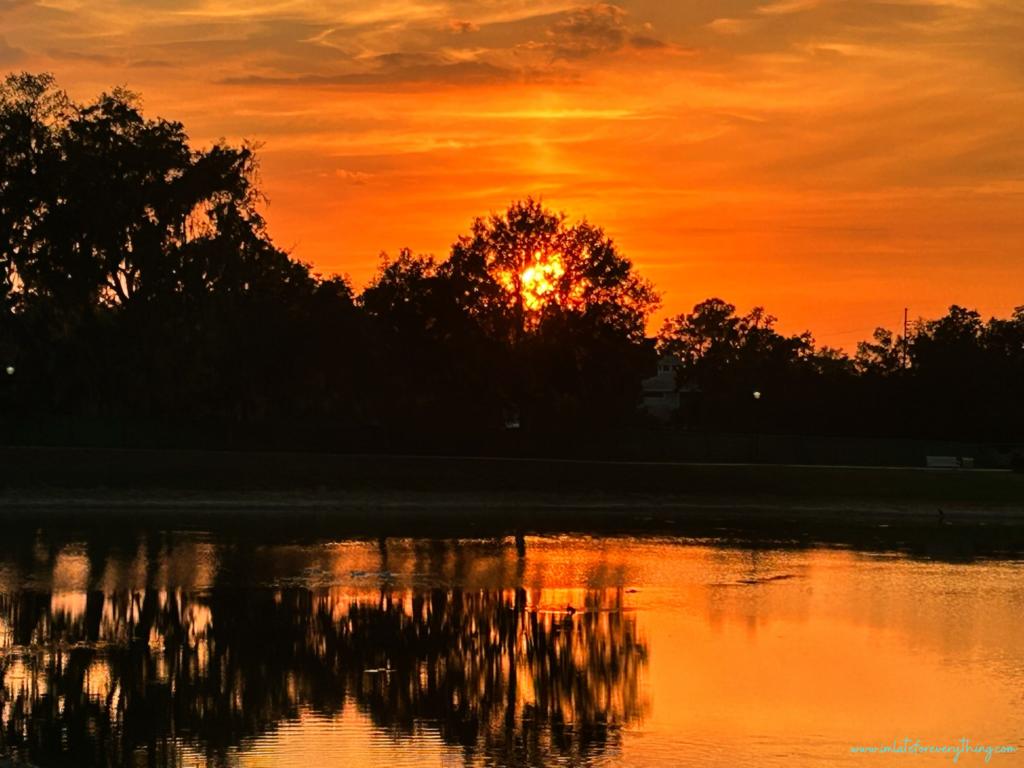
[163, 648]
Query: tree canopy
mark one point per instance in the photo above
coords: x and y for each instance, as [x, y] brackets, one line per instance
[101, 205]
[551, 315]
[954, 376]
[527, 266]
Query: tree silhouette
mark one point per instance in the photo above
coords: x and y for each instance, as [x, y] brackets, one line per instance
[517, 269]
[546, 320]
[102, 205]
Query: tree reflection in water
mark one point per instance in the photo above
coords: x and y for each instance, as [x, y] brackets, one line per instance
[136, 676]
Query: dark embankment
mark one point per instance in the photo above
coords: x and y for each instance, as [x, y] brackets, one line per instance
[263, 497]
[34, 475]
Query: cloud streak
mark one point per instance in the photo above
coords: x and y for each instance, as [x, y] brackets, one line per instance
[388, 71]
[10, 55]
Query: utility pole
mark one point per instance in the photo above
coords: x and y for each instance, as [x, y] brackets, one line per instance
[904, 337]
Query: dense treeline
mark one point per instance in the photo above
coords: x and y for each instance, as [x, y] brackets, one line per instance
[139, 282]
[955, 377]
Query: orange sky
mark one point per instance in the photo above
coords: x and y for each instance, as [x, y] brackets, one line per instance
[834, 161]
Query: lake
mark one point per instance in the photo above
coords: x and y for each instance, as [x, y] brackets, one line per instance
[148, 645]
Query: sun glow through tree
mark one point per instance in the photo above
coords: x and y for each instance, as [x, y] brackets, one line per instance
[528, 265]
[543, 281]
[540, 280]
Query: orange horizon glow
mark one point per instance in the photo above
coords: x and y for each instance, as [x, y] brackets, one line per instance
[831, 161]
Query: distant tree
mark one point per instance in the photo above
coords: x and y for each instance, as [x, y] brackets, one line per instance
[517, 269]
[712, 341]
[967, 374]
[829, 361]
[99, 204]
[138, 276]
[543, 320]
[885, 356]
[444, 372]
[711, 331]
[571, 310]
[1005, 338]
[32, 112]
[401, 288]
[953, 341]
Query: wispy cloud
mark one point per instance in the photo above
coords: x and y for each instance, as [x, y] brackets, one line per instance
[9, 54]
[353, 177]
[394, 69]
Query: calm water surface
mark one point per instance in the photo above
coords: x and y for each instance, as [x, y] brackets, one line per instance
[186, 648]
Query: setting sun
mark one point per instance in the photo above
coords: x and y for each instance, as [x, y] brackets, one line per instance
[540, 279]
[539, 283]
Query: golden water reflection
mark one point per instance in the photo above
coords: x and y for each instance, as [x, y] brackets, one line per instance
[188, 650]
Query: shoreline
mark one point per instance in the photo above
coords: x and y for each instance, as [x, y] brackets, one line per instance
[430, 502]
[962, 535]
[197, 483]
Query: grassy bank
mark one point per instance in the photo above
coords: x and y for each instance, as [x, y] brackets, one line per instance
[260, 497]
[37, 474]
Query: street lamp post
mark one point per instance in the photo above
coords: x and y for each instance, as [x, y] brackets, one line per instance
[757, 424]
[10, 372]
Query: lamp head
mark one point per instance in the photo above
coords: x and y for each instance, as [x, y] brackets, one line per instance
[757, 395]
